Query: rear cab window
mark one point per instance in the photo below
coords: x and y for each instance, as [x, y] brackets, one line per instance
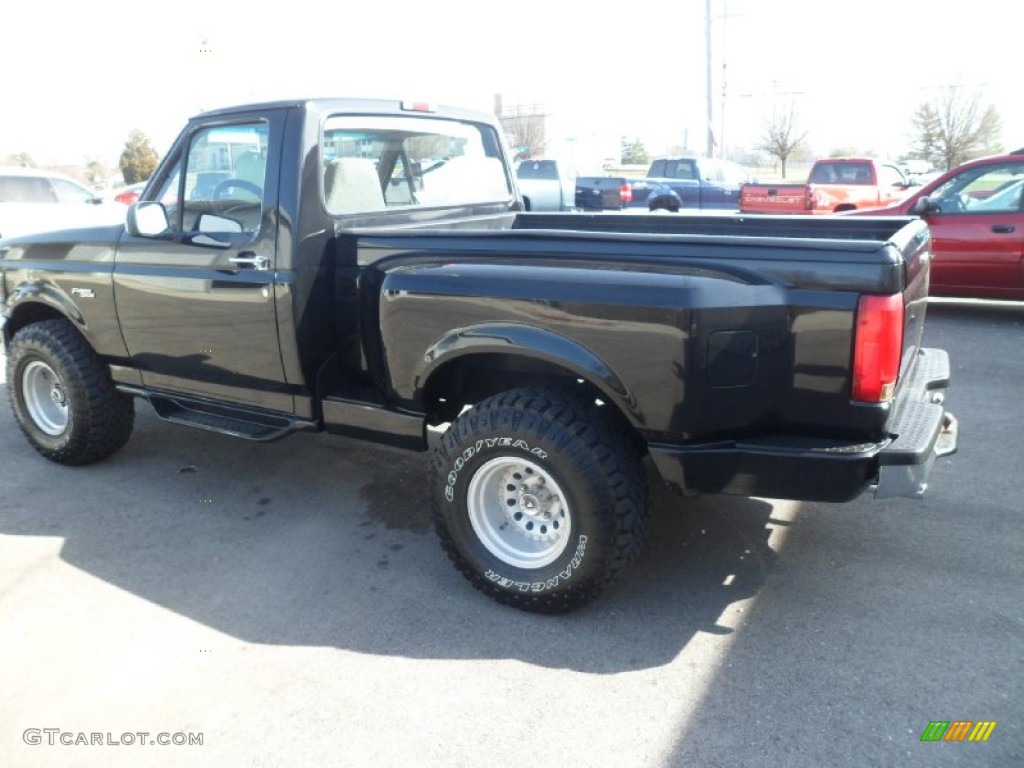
[842, 173]
[374, 163]
[681, 169]
[538, 169]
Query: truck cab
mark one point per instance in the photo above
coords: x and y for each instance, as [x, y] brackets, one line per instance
[695, 182]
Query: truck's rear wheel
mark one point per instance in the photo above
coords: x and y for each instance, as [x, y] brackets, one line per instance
[539, 499]
[63, 397]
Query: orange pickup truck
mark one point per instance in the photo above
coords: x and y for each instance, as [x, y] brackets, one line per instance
[835, 184]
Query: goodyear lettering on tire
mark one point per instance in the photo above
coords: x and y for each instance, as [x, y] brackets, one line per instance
[490, 442]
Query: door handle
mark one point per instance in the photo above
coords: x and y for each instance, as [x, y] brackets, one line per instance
[1003, 228]
[251, 260]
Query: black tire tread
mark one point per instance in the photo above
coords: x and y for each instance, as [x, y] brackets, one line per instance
[575, 426]
[106, 416]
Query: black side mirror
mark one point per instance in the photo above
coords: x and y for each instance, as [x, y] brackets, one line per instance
[924, 206]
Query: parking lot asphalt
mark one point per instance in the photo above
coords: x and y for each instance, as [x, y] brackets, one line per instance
[289, 604]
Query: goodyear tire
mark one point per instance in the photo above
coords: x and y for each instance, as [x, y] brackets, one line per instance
[539, 498]
[63, 397]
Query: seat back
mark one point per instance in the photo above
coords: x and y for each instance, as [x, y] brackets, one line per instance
[465, 179]
[352, 184]
[252, 167]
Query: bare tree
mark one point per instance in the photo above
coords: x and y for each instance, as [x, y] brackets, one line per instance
[526, 130]
[95, 170]
[954, 128]
[781, 135]
[21, 159]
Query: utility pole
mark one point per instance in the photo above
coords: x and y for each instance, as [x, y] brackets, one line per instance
[721, 129]
[707, 68]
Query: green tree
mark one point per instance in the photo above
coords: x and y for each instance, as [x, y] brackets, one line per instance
[139, 159]
[954, 128]
[20, 159]
[634, 152]
[781, 135]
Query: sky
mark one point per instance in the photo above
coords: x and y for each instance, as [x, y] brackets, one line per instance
[76, 78]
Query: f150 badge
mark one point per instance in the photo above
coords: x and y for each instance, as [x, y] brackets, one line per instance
[85, 293]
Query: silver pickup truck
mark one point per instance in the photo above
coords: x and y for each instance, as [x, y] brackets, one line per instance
[547, 185]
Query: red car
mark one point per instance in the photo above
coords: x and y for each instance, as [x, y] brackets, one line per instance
[131, 193]
[976, 218]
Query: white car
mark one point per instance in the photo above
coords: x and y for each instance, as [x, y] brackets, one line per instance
[40, 201]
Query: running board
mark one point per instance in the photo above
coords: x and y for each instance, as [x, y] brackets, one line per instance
[237, 422]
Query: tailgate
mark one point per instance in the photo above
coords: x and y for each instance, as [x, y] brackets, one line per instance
[921, 428]
[917, 262]
[778, 198]
[599, 193]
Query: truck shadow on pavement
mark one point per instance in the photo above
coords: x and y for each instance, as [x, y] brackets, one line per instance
[323, 541]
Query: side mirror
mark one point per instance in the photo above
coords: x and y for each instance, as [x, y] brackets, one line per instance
[147, 219]
[924, 206]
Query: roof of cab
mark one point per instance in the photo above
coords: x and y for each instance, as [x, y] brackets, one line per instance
[352, 105]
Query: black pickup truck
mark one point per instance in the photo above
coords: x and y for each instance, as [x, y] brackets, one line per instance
[365, 268]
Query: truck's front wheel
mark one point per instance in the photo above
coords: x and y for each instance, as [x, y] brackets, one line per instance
[539, 498]
[63, 397]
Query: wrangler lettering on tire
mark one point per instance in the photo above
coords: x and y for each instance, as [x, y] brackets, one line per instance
[538, 498]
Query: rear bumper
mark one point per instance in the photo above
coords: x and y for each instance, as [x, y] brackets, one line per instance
[815, 469]
[923, 430]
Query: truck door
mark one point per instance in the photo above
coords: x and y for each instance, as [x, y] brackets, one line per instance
[978, 235]
[197, 303]
[714, 192]
[685, 182]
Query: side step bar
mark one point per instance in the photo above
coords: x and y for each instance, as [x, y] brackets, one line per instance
[216, 417]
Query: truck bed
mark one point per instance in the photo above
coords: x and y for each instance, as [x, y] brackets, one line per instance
[861, 254]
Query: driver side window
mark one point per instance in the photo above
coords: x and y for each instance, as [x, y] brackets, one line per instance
[225, 175]
[989, 189]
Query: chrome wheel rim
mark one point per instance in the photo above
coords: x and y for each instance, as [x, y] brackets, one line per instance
[519, 512]
[45, 398]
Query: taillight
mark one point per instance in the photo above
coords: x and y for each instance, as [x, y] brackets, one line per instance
[625, 193]
[877, 347]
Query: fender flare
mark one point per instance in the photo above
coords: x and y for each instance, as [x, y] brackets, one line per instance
[28, 295]
[529, 342]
